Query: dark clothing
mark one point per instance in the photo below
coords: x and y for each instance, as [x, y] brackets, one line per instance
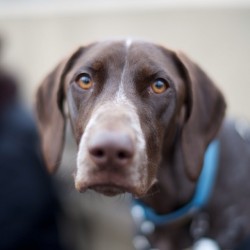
[245, 245]
[28, 206]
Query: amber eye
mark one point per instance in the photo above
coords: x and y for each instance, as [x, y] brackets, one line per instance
[84, 81]
[159, 86]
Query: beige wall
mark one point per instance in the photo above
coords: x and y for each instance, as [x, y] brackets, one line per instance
[218, 39]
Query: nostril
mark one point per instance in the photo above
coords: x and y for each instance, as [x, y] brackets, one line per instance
[123, 155]
[97, 152]
[99, 156]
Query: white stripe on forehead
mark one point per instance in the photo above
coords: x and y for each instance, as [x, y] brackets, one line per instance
[128, 43]
[120, 94]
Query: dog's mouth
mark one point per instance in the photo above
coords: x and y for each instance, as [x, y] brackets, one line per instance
[109, 184]
[108, 189]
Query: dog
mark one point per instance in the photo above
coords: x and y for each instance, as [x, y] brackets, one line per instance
[144, 118]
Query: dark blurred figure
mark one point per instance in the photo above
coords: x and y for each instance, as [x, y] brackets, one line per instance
[28, 205]
[245, 245]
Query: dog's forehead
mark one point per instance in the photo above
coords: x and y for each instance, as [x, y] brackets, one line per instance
[117, 52]
[103, 51]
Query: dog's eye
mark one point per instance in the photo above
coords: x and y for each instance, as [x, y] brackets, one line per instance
[159, 86]
[84, 81]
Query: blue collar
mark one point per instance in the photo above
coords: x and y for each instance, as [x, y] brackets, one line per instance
[141, 212]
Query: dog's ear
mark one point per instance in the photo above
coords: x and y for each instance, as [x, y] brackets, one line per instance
[49, 111]
[205, 109]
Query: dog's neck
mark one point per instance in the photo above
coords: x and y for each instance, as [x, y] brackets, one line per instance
[173, 189]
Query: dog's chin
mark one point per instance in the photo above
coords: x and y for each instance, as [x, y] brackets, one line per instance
[108, 190]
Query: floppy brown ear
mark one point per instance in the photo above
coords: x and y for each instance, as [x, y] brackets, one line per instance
[205, 111]
[50, 115]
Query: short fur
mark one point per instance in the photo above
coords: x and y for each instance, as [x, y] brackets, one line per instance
[169, 134]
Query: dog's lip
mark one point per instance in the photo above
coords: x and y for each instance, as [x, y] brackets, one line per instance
[108, 189]
[109, 184]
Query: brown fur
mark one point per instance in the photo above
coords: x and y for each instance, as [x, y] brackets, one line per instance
[178, 124]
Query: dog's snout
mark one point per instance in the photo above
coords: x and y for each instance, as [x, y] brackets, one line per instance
[111, 149]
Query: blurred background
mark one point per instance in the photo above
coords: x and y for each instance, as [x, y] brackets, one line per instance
[36, 34]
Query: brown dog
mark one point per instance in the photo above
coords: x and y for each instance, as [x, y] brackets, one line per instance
[143, 116]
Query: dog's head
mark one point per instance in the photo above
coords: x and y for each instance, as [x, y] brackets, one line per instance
[130, 104]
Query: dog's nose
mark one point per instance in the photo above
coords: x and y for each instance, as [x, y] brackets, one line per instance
[111, 149]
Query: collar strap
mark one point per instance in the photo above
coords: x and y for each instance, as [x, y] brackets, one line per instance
[205, 183]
